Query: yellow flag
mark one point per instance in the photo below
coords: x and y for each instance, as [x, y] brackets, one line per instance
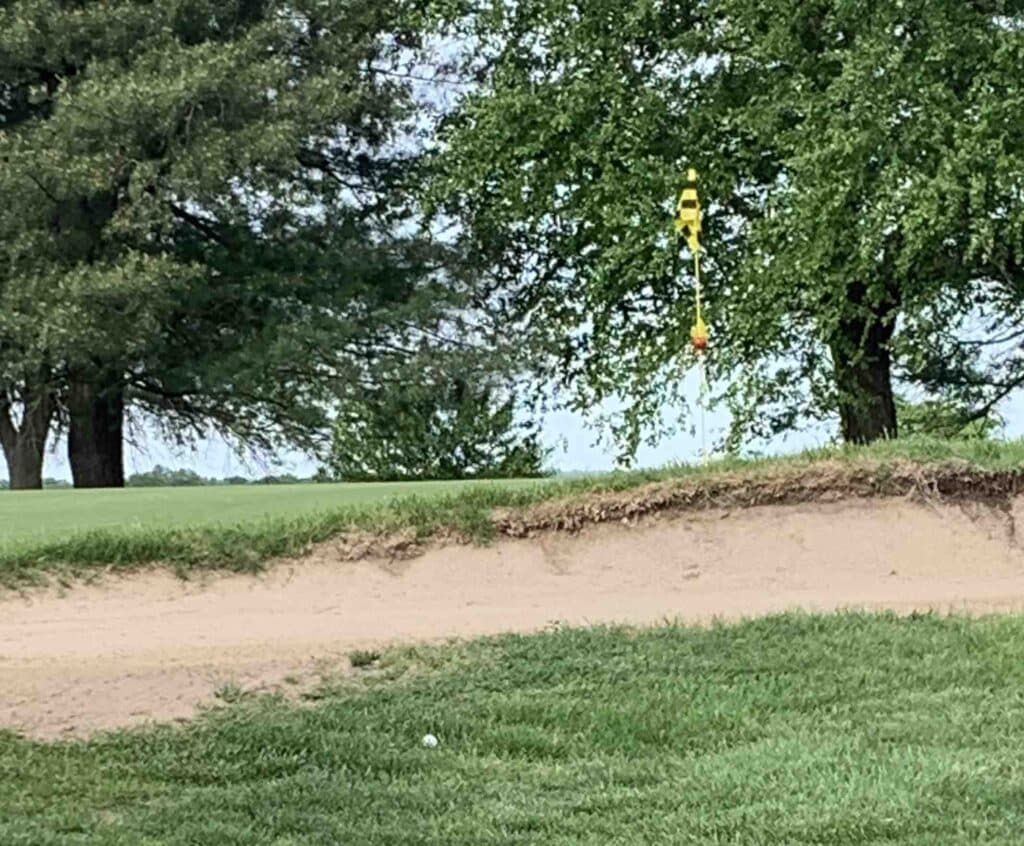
[688, 212]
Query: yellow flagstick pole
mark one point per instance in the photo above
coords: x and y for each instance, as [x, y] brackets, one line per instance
[702, 373]
[696, 274]
[688, 226]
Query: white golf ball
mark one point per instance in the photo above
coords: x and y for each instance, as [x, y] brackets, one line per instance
[429, 741]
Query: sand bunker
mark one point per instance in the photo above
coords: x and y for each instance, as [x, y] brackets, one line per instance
[153, 647]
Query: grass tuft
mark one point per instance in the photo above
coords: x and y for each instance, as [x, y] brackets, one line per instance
[362, 658]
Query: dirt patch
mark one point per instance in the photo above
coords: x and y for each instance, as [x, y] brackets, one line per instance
[152, 647]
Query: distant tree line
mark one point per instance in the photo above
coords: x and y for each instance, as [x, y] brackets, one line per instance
[48, 483]
[166, 477]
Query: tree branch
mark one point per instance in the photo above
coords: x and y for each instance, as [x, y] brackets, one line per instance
[985, 409]
[200, 224]
[49, 195]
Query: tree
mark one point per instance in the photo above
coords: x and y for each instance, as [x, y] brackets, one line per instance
[440, 421]
[206, 219]
[23, 441]
[946, 419]
[862, 176]
[165, 477]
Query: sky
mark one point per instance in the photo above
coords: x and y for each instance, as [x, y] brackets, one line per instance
[576, 449]
[574, 444]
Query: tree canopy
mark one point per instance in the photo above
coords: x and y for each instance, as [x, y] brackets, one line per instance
[207, 219]
[449, 417]
[225, 215]
[862, 173]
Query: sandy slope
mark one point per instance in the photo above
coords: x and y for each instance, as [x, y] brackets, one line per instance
[152, 647]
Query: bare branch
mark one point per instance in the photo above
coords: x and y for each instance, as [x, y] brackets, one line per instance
[200, 224]
[49, 195]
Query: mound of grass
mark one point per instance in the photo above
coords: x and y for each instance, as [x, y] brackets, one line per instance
[468, 513]
[843, 729]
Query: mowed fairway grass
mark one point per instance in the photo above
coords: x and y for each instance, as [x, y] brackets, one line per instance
[48, 515]
[842, 729]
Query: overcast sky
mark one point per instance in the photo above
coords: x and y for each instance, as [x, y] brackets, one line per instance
[574, 443]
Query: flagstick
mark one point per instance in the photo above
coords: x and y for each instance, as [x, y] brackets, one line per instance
[688, 226]
[696, 273]
[700, 367]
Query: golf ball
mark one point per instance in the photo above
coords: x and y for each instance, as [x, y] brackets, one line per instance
[429, 741]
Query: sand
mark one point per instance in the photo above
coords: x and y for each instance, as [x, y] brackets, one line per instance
[152, 647]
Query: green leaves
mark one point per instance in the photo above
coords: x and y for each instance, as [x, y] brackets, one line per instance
[860, 172]
[207, 207]
[438, 415]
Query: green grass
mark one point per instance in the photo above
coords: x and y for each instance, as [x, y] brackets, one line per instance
[843, 729]
[41, 516]
[68, 534]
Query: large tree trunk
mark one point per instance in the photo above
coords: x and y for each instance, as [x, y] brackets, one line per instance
[863, 369]
[95, 401]
[24, 444]
[25, 464]
[96, 434]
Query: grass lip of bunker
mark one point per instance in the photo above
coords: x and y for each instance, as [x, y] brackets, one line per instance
[404, 525]
[825, 481]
